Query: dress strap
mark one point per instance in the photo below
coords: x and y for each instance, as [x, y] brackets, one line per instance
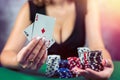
[35, 9]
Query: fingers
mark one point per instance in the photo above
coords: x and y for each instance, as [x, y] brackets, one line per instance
[39, 58]
[94, 75]
[40, 55]
[39, 62]
[107, 63]
[42, 51]
[28, 54]
[102, 75]
[43, 59]
[36, 50]
[79, 72]
[22, 55]
[34, 53]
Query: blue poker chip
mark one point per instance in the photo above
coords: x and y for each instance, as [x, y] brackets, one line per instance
[64, 73]
[63, 64]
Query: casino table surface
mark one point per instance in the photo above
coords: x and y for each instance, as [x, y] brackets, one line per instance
[8, 74]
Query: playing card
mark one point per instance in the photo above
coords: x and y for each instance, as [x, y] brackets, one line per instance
[28, 32]
[44, 27]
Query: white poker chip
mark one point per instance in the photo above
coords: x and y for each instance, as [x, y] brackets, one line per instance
[81, 51]
[52, 64]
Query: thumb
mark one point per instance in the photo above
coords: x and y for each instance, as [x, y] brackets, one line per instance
[107, 63]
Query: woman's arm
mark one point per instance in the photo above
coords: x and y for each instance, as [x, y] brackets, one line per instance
[95, 41]
[16, 39]
[93, 28]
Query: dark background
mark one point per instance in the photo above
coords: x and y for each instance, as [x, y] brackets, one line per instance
[110, 21]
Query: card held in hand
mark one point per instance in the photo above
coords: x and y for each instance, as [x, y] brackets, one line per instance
[42, 27]
[28, 32]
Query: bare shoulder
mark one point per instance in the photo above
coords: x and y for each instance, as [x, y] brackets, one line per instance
[24, 11]
[25, 6]
[22, 21]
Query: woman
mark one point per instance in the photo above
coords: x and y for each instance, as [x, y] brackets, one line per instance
[77, 21]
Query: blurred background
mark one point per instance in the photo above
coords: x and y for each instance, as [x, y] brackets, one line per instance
[110, 23]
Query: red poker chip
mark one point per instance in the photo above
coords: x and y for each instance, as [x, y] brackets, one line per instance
[74, 61]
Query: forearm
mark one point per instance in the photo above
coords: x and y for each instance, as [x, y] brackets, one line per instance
[8, 59]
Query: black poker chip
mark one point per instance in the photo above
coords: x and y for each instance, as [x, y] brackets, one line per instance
[96, 67]
[63, 64]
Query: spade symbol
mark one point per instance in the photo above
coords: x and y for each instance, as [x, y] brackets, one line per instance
[26, 33]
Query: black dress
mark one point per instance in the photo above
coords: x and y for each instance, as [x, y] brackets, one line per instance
[76, 39]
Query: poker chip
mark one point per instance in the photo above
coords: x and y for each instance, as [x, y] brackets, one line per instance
[95, 53]
[90, 59]
[63, 64]
[64, 73]
[56, 67]
[83, 54]
[73, 61]
[96, 67]
[52, 65]
[95, 56]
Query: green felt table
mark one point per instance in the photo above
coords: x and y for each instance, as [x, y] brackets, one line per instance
[7, 74]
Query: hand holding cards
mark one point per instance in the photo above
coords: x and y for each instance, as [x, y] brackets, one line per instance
[33, 55]
[42, 27]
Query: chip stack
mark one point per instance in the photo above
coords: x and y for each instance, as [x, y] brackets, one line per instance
[52, 65]
[95, 56]
[64, 73]
[90, 59]
[65, 68]
[63, 64]
[95, 60]
[74, 62]
[83, 55]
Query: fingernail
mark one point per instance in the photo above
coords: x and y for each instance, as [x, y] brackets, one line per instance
[103, 62]
[38, 38]
[34, 38]
[47, 44]
[107, 63]
[43, 39]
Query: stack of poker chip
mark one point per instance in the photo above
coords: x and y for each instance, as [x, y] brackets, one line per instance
[90, 59]
[64, 73]
[56, 67]
[52, 65]
[95, 60]
[83, 55]
[63, 70]
[74, 62]
[63, 64]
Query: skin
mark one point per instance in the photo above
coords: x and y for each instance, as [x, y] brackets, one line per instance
[15, 56]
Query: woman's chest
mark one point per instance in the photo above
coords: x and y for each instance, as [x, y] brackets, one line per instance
[65, 20]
